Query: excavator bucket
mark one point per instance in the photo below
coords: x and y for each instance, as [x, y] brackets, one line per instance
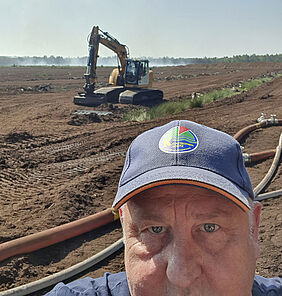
[92, 100]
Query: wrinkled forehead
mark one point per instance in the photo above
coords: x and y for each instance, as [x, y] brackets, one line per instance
[165, 198]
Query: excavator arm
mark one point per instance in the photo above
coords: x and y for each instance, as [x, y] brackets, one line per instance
[107, 40]
[97, 36]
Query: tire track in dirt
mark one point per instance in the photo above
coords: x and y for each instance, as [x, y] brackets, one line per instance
[11, 181]
[22, 183]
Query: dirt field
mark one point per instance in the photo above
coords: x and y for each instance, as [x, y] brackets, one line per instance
[56, 166]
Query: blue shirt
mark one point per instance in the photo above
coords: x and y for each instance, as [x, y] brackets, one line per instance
[116, 285]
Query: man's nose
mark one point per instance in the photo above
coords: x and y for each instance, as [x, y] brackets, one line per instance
[184, 263]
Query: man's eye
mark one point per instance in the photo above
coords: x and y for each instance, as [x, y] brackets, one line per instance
[156, 229]
[209, 227]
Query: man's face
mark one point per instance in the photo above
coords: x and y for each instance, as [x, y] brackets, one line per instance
[185, 240]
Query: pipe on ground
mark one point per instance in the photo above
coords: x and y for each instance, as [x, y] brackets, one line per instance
[55, 235]
[272, 169]
[64, 274]
[258, 156]
[246, 130]
[267, 195]
[243, 132]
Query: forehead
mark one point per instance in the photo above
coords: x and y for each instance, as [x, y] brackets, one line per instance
[164, 198]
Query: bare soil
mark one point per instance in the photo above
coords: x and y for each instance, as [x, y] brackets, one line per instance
[57, 166]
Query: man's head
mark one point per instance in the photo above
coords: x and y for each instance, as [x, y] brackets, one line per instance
[190, 224]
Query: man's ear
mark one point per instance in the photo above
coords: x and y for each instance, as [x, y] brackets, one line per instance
[255, 224]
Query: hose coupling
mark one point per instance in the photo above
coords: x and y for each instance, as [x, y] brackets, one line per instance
[115, 213]
[273, 120]
[268, 121]
[246, 158]
[261, 118]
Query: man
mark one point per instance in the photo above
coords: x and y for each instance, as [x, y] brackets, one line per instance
[189, 220]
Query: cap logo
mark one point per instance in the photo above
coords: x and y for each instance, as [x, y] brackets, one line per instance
[178, 139]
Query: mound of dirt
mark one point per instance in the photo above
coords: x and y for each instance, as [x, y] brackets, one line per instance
[84, 119]
[17, 137]
[36, 88]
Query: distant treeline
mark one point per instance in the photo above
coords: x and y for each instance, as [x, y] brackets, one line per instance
[112, 61]
[275, 58]
[51, 60]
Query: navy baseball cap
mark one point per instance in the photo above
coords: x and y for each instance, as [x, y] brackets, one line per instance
[185, 152]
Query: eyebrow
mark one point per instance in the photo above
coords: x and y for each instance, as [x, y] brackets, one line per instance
[149, 216]
[214, 214]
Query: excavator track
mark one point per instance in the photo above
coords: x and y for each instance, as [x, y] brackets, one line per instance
[99, 96]
[140, 96]
[119, 94]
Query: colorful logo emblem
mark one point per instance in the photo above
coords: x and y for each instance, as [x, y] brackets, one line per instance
[178, 139]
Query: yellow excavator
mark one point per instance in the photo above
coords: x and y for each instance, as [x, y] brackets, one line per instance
[130, 83]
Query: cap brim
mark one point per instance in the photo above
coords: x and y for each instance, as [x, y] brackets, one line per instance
[183, 175]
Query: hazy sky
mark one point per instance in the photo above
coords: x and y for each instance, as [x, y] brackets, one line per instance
[156, 28]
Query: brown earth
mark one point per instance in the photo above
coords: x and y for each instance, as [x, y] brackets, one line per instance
[56, 166]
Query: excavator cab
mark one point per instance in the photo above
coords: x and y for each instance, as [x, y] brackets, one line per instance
[137, 72]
